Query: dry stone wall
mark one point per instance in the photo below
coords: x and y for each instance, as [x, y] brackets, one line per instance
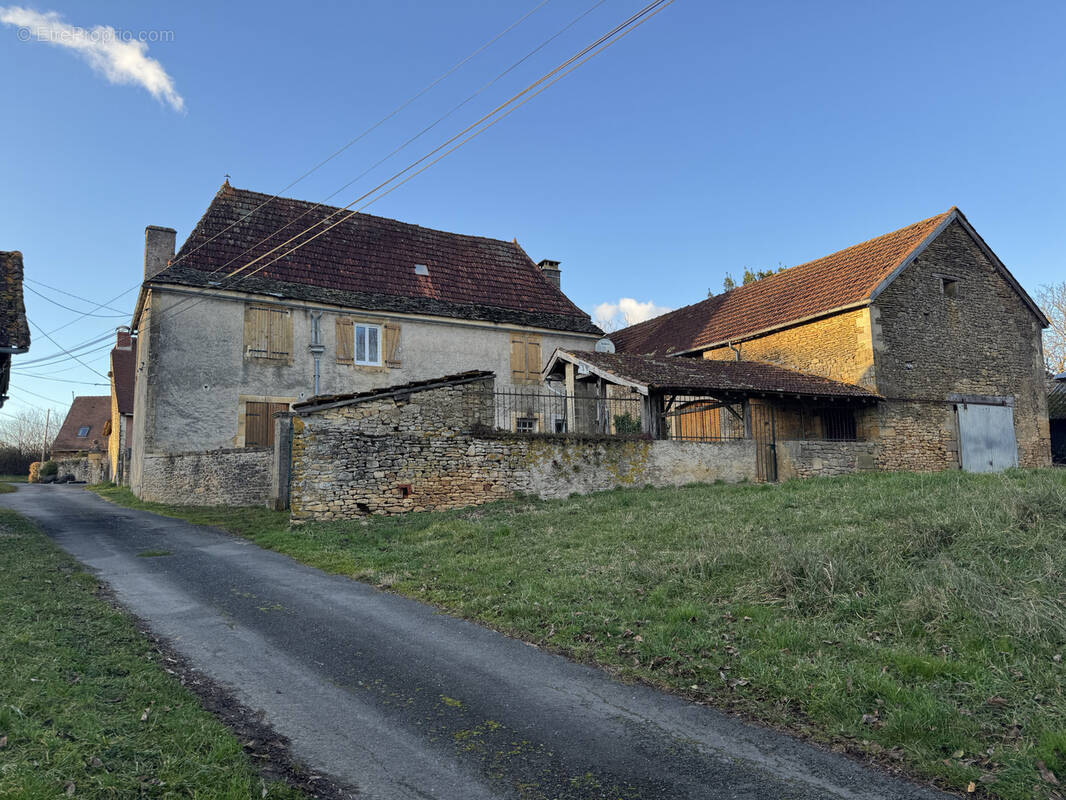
[806, 459]
[234, 477]
[90, 468]
[425, 452]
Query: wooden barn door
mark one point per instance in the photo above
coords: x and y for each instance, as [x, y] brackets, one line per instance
[763, 431]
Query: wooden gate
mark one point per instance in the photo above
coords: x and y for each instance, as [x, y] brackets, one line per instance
[764, 432]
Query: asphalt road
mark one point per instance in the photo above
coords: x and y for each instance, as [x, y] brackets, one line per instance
[395, 698]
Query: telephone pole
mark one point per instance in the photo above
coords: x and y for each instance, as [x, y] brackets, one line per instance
[44, 441]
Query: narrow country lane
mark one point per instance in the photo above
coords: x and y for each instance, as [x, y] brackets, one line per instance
[402, 701]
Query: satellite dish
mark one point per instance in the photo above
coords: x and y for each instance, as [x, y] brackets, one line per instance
[604, 345]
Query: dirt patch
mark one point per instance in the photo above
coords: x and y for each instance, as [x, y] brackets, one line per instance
[269, 752]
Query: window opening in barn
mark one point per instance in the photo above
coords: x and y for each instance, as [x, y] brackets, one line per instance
[525, 425]
[949, 287]
[838, 424]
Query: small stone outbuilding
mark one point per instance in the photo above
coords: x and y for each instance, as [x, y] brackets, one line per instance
[80, 447]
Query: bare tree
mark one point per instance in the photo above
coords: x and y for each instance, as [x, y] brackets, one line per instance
[24, 430]
[1052, 299]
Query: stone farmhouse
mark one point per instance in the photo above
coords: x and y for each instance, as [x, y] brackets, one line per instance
[234, 329]
[80, 447]
[927, 317]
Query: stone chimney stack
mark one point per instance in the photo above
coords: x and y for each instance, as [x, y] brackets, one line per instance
[158, 249]
[552, 272]
[124, 339]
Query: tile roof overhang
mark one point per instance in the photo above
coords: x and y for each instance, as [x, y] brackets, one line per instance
[14, 330]
[91, 411]
[322, 402]
[848, 279]
[698, 376]
[365, 262]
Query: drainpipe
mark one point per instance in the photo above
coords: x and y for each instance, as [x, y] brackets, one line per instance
[316, 347]
[734, 349]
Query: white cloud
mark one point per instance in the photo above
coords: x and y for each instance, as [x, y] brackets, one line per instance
[120, 56]
[627, 311]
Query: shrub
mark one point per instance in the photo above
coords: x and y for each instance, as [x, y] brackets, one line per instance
[626, 424]
[49, 468]
[35, 472]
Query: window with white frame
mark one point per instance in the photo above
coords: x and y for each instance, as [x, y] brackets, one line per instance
[368, 345]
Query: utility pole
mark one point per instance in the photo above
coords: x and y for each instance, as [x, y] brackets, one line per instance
[44, 441]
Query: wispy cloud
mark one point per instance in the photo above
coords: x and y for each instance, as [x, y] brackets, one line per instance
[627, 311]
[120, 56]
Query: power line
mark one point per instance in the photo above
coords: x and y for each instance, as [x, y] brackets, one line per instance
[337, 152]
[49, 399]
[68, 308]
[68, 294]
[56, 358]
[53, 341]
[549, 79]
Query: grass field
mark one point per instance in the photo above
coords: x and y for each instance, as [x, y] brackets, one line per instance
[919, 619]
[85, 710]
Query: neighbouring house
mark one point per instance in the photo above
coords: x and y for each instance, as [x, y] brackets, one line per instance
[1056, 411]
[235, 328]
[80, 447]
[14, 331]
[120, 427]
[926, 317]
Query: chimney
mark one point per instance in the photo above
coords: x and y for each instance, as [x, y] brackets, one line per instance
[551, 272]
[124, 340]
[158, 249]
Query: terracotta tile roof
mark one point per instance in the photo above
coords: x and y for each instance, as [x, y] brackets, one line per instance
[369, 262]
[844, 278]
[14, 332]
[1056, 399]
[695, 375]
[93, 412]
[122, 369]
[403, 388]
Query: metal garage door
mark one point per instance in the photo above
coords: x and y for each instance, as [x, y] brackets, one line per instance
[986, 437]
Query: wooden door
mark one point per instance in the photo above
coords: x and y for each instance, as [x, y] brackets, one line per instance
[763, 431]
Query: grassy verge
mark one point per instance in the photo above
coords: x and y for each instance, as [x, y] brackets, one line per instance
[12, 479]
[917, 618]
[84, 709]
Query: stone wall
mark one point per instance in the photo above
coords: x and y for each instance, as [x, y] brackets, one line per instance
[90, 468]
[426, 451]
[805, 459]
[838, 347]
[238, 477]
[978, 339]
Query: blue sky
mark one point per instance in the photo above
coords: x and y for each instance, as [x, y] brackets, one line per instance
[715, 137]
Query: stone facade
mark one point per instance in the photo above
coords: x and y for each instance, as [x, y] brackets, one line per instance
[838, 347]
[979, 339]
[233, 477]
[194, 380]
[428, 451]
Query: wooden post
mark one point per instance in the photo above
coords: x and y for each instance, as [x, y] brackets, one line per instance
[571, 390]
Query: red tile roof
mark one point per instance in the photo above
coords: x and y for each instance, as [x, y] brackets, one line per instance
[696, 375]
[93, 412]
[845, 278]
[368, 262]
[122, 370]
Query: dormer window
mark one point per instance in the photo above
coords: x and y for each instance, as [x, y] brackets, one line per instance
[83, 431]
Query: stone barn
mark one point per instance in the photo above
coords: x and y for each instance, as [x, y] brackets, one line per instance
[927, 317]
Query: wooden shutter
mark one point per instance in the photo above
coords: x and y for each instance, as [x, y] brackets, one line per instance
[258, 427]
[518, 358]
[268, 333]
[256, 332]
[533, 364]
[345, 341]
[392, 344]
[280, 334]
